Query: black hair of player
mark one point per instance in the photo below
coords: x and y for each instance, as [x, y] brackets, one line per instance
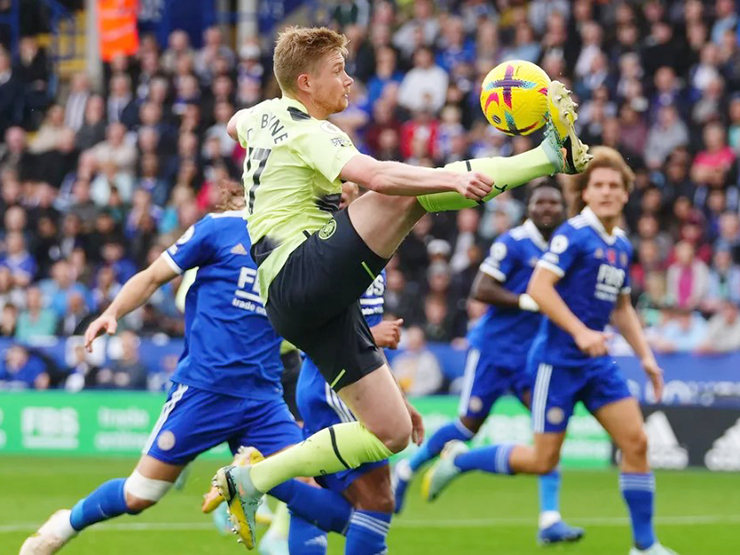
[550, 183]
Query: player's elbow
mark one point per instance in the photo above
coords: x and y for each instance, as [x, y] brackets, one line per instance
[231, 128]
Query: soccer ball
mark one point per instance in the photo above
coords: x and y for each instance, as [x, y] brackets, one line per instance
[513, 97]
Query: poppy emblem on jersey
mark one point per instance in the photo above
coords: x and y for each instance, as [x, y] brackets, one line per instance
[328, 230]
[166, 440]
[555, 415]
[611, 256]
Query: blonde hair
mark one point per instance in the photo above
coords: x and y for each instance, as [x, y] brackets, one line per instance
[299, 49]
[604, 157]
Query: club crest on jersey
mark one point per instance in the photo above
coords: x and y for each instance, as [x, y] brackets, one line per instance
[166, 440]
[555, 415]
[328, 230]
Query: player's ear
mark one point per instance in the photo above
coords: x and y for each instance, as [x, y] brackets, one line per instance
[304, 82]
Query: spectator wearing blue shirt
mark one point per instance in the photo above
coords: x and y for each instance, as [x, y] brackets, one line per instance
[683, 333]
[21, 370]
[56, 289]
[21, 263]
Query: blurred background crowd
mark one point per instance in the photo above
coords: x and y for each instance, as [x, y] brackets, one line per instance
[96, 182]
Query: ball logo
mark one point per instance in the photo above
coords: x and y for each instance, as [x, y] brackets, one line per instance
[328, 230]
[555, 415]
[496, 119]
[166, 440]
[559, 244]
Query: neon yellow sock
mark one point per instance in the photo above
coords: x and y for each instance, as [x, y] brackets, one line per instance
[339, 447]
[280, 524]
[507, 173]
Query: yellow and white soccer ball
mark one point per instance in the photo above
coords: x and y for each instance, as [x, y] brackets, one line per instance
[514, 97]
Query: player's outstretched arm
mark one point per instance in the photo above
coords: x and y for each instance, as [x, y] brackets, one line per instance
[542, 289]
[489, 290]
[132, 295]
[627, 322]
[395, 178]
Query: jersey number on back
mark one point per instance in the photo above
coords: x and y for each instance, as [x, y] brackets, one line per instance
[258, 156]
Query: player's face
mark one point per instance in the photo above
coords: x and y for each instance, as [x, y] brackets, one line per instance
[605, 193]
[546, 208]
[332, 84]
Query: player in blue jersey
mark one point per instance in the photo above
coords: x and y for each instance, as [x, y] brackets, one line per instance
[499, 343]
[367, 487]
[226, 386]
[580, 283]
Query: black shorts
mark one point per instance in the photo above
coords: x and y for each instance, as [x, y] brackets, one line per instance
[291, 368]
[313, 301]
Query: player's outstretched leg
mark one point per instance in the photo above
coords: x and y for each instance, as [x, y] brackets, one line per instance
[560, 152]
[404, 471]
[113, 498]
[622, 419]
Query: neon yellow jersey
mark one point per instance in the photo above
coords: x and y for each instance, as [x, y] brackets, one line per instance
[291, 176]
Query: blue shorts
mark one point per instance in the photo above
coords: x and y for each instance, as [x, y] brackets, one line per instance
[486, 381]
[557, 389]
[321, 407]
[194, 420]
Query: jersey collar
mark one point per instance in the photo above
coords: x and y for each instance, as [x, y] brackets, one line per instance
[534, 234]
[293, 103]
[593, 220]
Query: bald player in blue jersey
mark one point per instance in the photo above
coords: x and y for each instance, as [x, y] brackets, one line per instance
[499, 343]
[226, 387]
[580, 284]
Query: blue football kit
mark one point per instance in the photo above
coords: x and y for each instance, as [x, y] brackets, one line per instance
[227, 383]
[593, 267]
[500, 340]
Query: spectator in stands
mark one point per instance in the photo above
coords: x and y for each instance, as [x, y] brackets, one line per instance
[49, 134]
[11, 94]
[77, 317]
[213, 49]
[56, 289]
[10, 293]
[20, 370]
[668, 133]
[724, 281]
[82, 204]
[21, 264]
[76, 105]
[121, 106]
[723, 331]
[35, 321]
[683, 332]
[8, 320]
[126, 372]
[652, 299]
[417, 369]
[82, 373]
[712, 164]
[424, 87]
[15, 154]
[92, 130]
[687, 278]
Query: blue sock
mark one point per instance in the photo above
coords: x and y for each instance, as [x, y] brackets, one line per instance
[324, 508]
[549, 487]
[638, 491]
[305, 539]
[367, 533]
[106, 502]
[433, 447]
[493, 458]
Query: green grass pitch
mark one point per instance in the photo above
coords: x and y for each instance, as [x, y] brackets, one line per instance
[698, 513]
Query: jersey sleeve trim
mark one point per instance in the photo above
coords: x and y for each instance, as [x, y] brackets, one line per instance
[626, 290]
[495, 273]
[171, 263]
[551, 267]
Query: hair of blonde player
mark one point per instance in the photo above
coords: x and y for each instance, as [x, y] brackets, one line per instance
[603, 157]
[300, 49]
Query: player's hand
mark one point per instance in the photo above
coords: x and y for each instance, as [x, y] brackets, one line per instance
[417, 424]
[592, 342]
[474, 185]
[655, 375]
[387, 333]
[105, 323]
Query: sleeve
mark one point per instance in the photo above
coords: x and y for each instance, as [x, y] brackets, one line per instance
[193, 249]
[562, 251]
[326, 149]
[501, 258]
[242, 123]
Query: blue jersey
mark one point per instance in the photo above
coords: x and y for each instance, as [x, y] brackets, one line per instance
[507, 333]
[372, 302]
[593, 267]
[230, 346]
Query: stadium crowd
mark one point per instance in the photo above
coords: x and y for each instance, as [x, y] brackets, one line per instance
[94, 184]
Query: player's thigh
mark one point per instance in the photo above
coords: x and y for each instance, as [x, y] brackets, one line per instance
[154, 469]
[371, 489]
[623, 421]
[376, 401]
[383, 221]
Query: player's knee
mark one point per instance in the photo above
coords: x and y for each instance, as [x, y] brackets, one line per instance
[636, 446]
[142, 492]
[379, 500]
[472, 424]
[546, 462]
[396, 437]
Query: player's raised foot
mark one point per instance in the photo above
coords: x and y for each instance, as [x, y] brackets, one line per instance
[559, 532]
[400, 479]
[212, 498]
[655, 549]
[51, 537]
[242, 500]
[443, 471]
[562, 144]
